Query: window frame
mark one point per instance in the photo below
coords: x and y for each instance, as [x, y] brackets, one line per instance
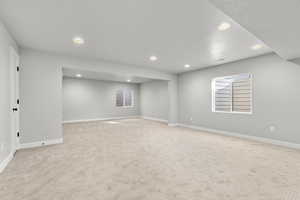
[213, 90]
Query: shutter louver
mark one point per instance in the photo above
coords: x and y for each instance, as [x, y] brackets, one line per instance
[223, 95]
[241, 96]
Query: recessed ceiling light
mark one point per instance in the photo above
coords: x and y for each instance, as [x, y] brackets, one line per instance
[256, 46]
[153, 58]
[224, 26]
[128, 80]
[78, 75]
[187, 65]
[78, 40]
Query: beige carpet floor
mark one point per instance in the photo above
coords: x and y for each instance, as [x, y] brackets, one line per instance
[143, 160]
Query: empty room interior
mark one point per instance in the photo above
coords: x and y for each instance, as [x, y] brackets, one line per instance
[149, 100]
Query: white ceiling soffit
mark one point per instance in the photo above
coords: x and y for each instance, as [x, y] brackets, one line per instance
[73, 73]
[276, 22]
[130, 31]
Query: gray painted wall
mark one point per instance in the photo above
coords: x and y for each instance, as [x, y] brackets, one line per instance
[6, 42]
[173, 116]
[92, 99]
[155, 99]
[41, 98]
[276, 98]
[41, 90]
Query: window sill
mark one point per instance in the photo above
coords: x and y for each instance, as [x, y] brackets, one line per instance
[125, 106]
[243, 113]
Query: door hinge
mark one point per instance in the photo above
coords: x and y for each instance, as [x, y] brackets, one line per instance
[18, 101]
[18, 68]
[18, 134]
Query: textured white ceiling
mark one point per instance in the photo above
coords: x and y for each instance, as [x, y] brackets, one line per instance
[129, 31]
[276, 22]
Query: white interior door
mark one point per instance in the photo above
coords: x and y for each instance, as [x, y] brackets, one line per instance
[15, 102]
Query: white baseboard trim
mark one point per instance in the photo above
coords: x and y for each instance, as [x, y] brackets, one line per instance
[154, 119]
[41, 143]
[239, 135]
[173, 124]
[5, 162]
[99, 119]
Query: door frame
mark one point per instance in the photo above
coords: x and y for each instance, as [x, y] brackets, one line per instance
[14, 65]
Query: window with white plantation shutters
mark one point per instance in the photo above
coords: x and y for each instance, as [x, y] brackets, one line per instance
[124, 98]
[232, 94]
